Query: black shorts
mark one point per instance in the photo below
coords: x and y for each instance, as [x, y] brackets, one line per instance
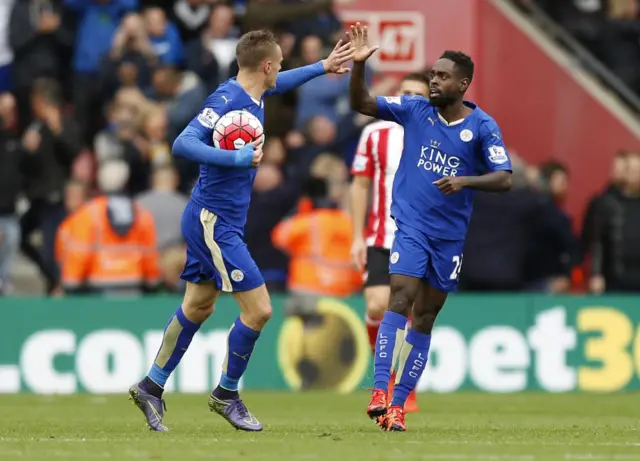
[377, 270]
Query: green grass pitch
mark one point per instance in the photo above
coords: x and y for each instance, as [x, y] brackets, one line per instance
[323, 426]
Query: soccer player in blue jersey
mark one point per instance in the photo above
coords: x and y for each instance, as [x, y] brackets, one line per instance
[451, 148]
[213, 226]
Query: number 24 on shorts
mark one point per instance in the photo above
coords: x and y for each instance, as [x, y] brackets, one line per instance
[457, 261]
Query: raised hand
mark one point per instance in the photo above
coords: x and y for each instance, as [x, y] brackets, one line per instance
[359, 38]
[334, 64]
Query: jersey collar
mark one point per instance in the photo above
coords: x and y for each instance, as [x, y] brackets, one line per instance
[255, 101]
[469, 104]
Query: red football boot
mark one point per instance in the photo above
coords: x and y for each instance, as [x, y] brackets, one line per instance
[378, 404]
[394, 421]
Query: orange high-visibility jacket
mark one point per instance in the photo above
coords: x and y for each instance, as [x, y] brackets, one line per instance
[104, 246]
[319, 243]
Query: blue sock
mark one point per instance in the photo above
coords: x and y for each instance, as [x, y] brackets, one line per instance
[388, 344]
[242, 339]
[413, 360]
[177, 336]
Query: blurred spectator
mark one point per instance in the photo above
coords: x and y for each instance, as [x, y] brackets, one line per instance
[325, 25]
[318, 240]
[181, 93]
[272, 14]
[276, 192]
[157, 148]
[321, 131]
[38, 40]
[585, 20]
[10, 186]
[608, 28]
[553, 249]
[280, 109]
[555, 177]
[326, 99]
[616, 183]
[76, 194]
[6, 53]
[50, 145]
[109, 246]
[164, 37]
[498, 250]
[326, 95]
[166, 205]
[121, 140]
[615, 246]
[334, 171]
[274, 152]
[213, 55]
[191, 16]
[129, 63]
[98, 22]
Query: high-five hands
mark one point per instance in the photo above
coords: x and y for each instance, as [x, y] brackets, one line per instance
[341, 54]
[359, 39]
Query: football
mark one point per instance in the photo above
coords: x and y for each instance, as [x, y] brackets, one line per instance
[237, 128]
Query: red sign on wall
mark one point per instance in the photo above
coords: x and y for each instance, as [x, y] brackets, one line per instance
[400, 35]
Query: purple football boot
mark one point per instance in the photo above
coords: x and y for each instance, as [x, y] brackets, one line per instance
[235, 412]
[151, 406]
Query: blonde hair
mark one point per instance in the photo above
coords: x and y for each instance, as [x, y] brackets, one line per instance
[327, 166]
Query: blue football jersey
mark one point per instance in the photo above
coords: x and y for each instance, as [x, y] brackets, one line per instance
[225, 191]
[434, 149]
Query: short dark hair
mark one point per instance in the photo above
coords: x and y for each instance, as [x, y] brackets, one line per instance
[315, 188]
[49, 90]
[253, 47]
[167, 72]
[417, 77]
[463, 62]
[551, 167]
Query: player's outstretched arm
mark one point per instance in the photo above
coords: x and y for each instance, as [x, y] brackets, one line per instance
[361, 100]
[191, 144]
[496, 181]
[334, 64]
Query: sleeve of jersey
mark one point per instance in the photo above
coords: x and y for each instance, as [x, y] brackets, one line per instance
[292, 79]
[494, 152]
[194, 143]
[363, 162]
[393, 108]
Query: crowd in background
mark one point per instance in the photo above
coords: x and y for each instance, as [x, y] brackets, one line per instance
[93, 93]
[610, 29]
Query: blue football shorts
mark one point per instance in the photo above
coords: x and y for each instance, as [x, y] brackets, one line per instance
[432, 259]
[216, 252]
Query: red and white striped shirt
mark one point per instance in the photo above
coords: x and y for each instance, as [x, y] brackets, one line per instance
[377, 158]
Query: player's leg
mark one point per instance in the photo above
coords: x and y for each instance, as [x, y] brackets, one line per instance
[376, 295]
[196, 307]
[250, 292]
[413, 356]
[376, 291]
[203, 282]
[445, 259]
[408, 263]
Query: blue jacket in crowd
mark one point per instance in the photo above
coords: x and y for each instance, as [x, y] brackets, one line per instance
[98, 22]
